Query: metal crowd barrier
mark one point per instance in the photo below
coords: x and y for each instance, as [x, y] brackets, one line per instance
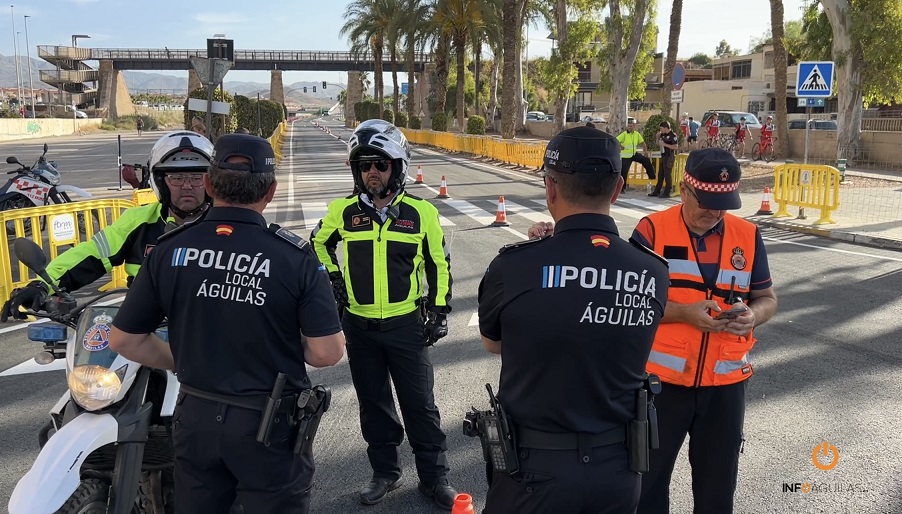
[807, 185]
[275, 140]
[55, 227]
[638, 178]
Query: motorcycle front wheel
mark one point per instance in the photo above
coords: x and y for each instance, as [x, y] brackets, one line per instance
[18, 202]
[90, 498]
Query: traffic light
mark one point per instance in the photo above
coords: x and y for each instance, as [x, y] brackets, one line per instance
[324, 84]
[305, 89]
[314, 89]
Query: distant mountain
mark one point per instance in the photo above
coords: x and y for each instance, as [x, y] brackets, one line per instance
[138, 80]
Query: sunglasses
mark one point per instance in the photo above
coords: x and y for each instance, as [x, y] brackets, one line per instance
[382, 165]
[179, 180]
[694, 195]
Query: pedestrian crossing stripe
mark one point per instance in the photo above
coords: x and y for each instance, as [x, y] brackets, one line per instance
[814, 79]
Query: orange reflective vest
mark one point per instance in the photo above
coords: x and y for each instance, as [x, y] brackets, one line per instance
[682, 354]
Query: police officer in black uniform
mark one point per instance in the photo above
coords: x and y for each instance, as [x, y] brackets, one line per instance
[570, 383]
[237, 296]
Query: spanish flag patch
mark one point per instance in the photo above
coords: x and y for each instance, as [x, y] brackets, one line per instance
[598, 240]
[224, 230]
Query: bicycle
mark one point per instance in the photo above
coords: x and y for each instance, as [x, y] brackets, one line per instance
[768, 150]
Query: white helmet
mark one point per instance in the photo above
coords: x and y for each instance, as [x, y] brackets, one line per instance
[380, 139]
[180, 151]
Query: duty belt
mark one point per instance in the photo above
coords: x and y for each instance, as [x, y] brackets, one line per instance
[383, 325]
[253, 402]
[538, 440]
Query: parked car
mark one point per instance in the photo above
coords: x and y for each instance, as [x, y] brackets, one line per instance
[731, 119]
[586, 117]
[536, 116]
[815, 125]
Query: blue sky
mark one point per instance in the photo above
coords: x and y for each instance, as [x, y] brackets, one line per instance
[310, 25]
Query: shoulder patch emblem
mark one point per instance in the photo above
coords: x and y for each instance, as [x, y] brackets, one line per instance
[738, 259]
[648, 250]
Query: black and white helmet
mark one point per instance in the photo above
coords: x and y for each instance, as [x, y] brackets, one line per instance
[379, 139]
[180, 151]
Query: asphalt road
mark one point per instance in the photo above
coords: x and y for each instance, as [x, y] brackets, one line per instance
[826, 366]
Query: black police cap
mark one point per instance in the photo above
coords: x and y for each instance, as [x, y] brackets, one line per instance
[583, 150]
[256, 149]
[714, 174]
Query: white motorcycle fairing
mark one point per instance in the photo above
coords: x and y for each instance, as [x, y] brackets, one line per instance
[56, 472]
[72, 189]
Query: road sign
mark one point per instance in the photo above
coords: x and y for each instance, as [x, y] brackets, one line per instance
[811, 102]
[679, 76]
[203, 67]
[814, 79]
[200, 105]
[221, 49]
[404, 88]
[677, 96]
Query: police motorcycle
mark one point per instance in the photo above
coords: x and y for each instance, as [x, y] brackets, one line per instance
[111, 446]
[35, 186]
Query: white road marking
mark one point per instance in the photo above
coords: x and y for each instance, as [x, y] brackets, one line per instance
[474, 320]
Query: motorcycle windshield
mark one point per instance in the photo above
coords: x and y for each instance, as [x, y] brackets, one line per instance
[92, 337]
[48, 172]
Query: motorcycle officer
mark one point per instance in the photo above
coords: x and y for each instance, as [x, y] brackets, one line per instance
[178, 162]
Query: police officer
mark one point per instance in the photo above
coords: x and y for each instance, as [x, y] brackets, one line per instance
[237, 296]
[391, 239]
[570, 383]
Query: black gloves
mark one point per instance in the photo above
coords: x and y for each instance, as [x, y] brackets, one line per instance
[31, 297]
[339, 289]
[436, 326]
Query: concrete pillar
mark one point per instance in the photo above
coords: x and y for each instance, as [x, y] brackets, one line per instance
[276, 89]
[423, 87]
[114, 98]
[193, 81]
[355, 94]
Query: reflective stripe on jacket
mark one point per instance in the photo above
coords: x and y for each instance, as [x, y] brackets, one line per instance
[682, 354]
[384, 263]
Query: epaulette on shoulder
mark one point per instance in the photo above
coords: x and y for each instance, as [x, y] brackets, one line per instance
[521, 244]
[289, 236]
[172, 229]
[648, 250]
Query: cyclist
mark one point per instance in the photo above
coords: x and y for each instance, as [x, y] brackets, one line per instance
[767, 137]
[684, 126]
[177, 165]
[742, 130]
[713, 125]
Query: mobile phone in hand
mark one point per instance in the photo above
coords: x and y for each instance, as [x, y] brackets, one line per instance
[732, 313]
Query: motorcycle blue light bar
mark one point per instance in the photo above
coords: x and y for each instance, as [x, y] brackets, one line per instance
[163, 333]
[47, 332]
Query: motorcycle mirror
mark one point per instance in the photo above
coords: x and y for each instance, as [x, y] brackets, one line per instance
[12, 160]
[45, 150]
[129, 175]
[31, 255]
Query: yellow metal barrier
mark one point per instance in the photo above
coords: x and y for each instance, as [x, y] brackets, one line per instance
[275, 140]
[807, 185]
[638, 178]
[519, 153]
[143, 196]
[56, 227]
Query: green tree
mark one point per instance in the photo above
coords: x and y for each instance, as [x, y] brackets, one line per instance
[701, 59]
[673, 41]
[861, 37]
[724, 50]
[366, 24]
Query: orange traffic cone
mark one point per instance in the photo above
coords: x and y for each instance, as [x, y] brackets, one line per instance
[765, 203]
[500, 214]
[443, 190]
[419, 179]
[463, 504]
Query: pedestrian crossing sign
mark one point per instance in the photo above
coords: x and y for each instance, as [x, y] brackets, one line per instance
[814, 79]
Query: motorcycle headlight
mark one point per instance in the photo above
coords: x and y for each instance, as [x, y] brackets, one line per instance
[94, 387]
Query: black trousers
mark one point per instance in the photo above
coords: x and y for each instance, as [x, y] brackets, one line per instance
[217, 456]
[713, 418]
[625, 165]
[552, 482]
[665, 168]
[402, 355]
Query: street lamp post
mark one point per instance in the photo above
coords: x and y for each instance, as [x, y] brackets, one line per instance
[20, 90]
[76, 37]
[12, 15]
[28, 54]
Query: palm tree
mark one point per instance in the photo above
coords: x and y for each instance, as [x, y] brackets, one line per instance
[514, 13]
[676, 20]
[776, 28]
[413, 21]
[460, 19]
[488, 32]
[366, 26]
[442, 56]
